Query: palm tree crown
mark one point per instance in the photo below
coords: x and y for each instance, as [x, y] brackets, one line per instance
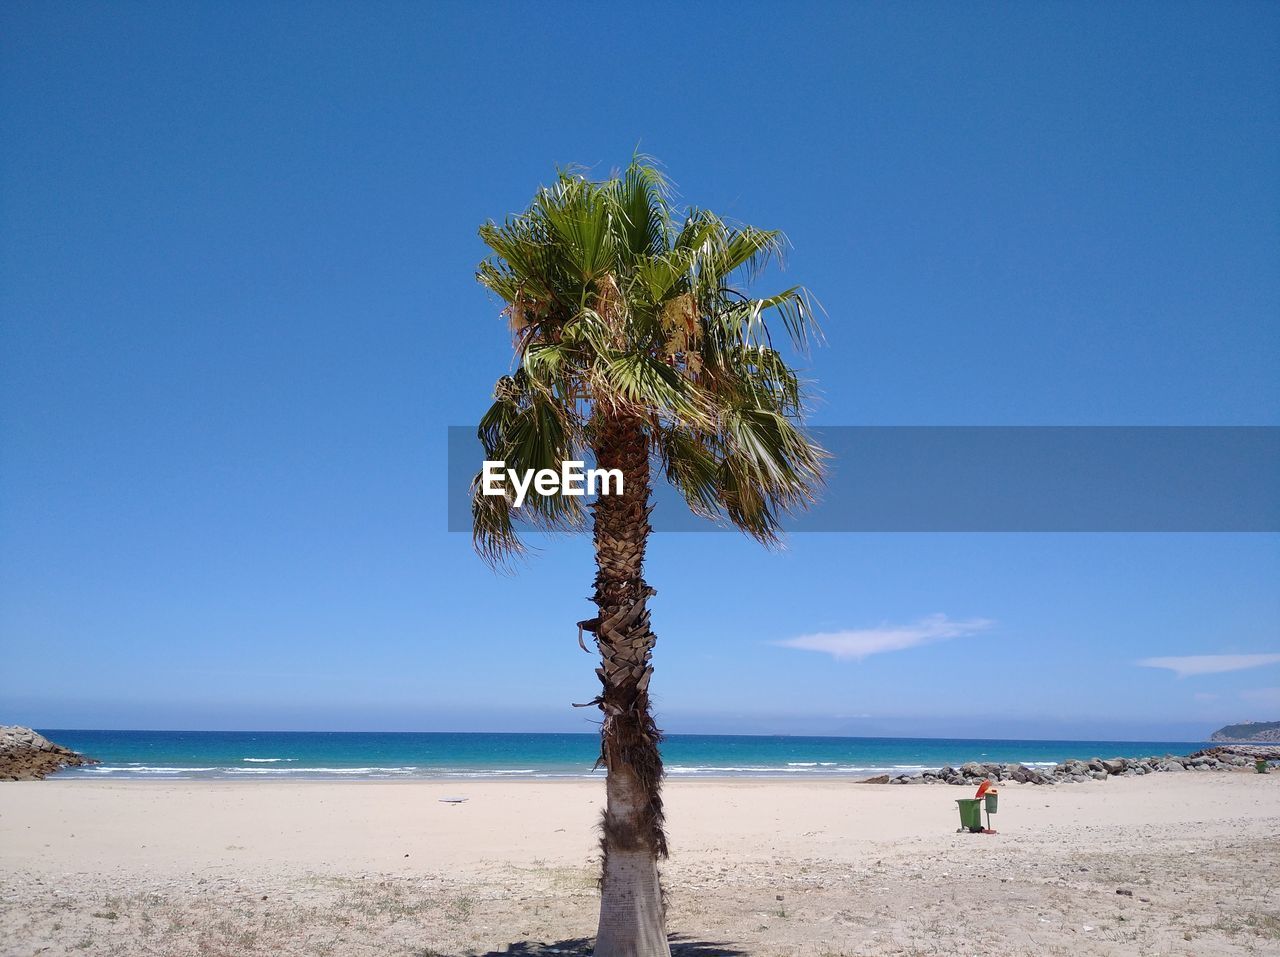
[622, 306]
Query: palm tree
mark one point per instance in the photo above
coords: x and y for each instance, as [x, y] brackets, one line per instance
[633, 344]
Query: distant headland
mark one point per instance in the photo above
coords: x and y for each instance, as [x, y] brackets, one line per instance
[1248, 731]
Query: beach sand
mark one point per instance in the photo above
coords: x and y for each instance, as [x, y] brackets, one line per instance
[758, 867]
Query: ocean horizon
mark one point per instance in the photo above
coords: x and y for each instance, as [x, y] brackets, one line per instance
[408, 755]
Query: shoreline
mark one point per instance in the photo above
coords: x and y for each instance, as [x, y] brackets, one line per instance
[462, 756]
[1071, 770]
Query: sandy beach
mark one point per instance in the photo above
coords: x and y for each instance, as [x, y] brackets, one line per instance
[757, 867]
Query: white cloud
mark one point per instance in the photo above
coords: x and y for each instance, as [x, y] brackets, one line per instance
[858, 643]
[1209, 664]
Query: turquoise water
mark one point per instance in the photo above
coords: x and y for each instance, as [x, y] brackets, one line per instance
[267, 755]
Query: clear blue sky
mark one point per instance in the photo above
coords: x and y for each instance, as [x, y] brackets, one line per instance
[238, 307]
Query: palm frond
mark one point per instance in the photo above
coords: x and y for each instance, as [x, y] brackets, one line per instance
[626, 308]
[641, 385]
[692, 469]
[641, 195]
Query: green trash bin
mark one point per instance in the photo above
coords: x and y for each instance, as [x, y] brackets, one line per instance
[1260, 765]
[992, 799]
[970, 814]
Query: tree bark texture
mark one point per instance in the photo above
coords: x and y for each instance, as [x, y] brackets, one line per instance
[632, 915]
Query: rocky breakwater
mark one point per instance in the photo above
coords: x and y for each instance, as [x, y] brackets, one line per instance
[27, 755]
[1095, 769]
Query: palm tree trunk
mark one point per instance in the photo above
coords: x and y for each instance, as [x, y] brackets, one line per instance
[632, 918]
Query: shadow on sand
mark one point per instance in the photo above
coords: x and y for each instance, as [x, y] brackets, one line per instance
[681, 946]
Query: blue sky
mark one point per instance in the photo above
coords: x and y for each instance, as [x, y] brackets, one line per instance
[238, 313]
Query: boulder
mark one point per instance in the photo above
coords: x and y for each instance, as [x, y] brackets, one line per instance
[27, 755]
[1095, 769]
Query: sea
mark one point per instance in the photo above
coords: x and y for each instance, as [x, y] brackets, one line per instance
[354, 756]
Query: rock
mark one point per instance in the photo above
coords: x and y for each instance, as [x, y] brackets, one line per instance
[1095, 769]
[1124, 892]
[26, 755]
